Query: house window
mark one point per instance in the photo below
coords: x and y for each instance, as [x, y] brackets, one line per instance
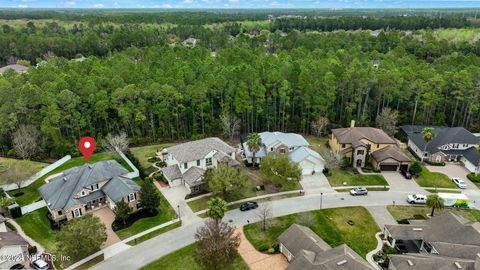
[77, 212]
[343, 145]
[291, 148]
[60, 213]
[282, 151]
[131, 197]
[378, 145]
[425, 155]
[198, 162]
[360, 152]
[83, 193]
[271, 148]
[208, 161]
[185, 165]
[94, 187]
[195, 188]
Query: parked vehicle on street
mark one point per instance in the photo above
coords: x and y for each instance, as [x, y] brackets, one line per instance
[248, 206]
[39, 264]
[359, 191]
[18, 266]
[417, 199]
[406, 174]
[459, 182]
[456, 200]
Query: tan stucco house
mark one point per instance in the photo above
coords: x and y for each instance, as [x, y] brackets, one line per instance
[83, 189]
[367, 144]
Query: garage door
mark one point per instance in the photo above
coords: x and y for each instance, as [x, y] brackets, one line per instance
[176, 182]
[403, 167]
[388, 167]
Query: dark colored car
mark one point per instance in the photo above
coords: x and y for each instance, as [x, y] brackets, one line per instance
[18, 266]
[248, 206]
[406, 174]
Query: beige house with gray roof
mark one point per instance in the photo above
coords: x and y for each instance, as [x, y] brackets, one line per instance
[305, 250]
[187, 162]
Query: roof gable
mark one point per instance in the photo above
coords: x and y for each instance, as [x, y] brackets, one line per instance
[198, 149]
[354, 134]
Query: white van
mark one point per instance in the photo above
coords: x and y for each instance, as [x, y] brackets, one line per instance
[417, 199]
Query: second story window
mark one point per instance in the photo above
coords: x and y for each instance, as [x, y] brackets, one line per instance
[282, 151]
[343, 145]
[198, 162]
[208, 161]
[185, 165]
[83, 193]
[360, 152]
[131, 197]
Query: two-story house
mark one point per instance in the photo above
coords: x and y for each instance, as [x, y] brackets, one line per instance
[85, 188]
[291, 144]
[446, 241]
[450, 144]
[366, 144]
[187, 162]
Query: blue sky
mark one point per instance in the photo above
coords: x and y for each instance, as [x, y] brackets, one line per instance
[239, 3]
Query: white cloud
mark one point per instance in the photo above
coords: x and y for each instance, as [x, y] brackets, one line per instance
[99, 5]
[70, 3]
[188, 1]
[166, 6]
[22, 6]
[233, 1]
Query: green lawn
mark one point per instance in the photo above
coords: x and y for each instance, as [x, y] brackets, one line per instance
[31, 193]
[31, 166]
[432, 179]
[350, 177]
[37, 225]
[408, 212]
[432, 190]
[165, 213]
[142, 153]
[183, 259]
[330, 224]
[154, 233]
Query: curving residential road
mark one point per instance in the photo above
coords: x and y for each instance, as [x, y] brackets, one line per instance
[148, 251]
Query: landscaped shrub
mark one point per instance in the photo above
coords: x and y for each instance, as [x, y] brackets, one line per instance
[15, 212]
[433, 163]
[376, 170]
[415, 168]
[153, 159]
[271, 250]
[118, 225]
[326, 171]
[32, 250]
[161, 164]
[473, 177]
[346, 163]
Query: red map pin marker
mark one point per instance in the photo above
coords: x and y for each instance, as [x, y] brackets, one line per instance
[87, 146]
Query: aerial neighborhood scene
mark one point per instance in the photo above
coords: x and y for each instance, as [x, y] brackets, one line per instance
[232, 135]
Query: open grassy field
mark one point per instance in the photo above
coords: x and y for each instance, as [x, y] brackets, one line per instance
[142, 153]
[408, 212]
[31, 193]
[332, 225]
[183, 259]
[434, 179]
[31, 166]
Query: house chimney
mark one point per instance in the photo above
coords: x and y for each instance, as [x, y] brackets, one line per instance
[352, 123]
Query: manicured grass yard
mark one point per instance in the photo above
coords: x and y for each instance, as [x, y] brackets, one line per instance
[165, 213]
[154, 233]
[432, 179]
[31, 193]
[330, 224]
[183, 259]
[6, 162]
[351, 177]
[36, 225]
[432, 190]
[408, 212]
[142, 153]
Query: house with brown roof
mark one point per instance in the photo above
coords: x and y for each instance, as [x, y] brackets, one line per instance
[446, 241]
[13, 248]
[305, 250]
[363, 145]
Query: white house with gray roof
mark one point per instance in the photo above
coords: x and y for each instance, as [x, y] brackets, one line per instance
[291, 144]
[85, 188]
[187, 162]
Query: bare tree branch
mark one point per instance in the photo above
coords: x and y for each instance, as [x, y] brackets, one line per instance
[114, 142]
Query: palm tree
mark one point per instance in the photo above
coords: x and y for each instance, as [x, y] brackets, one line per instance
[254, 142]
[434, 201]
[428, 135]
[217, 208]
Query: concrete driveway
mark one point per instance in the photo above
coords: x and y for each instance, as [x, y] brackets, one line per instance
[316, 183]
[107, 217]
[176, 197]
[454, 170]
[397, 182]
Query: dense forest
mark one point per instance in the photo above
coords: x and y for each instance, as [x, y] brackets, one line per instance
[141, 80]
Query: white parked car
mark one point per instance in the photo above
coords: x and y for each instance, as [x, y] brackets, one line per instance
[460, 183]
[417, 199]
[358, 191]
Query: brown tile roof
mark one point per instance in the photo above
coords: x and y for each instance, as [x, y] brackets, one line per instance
[11, 239]
[392, 152]
[353, 134]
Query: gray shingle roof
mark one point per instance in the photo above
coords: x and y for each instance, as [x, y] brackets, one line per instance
[429, 262]
[172, 172]
[472, 155]
[119, 187]
[60, 191]
[443, 135]
[302, 153]
[11, 239]
[354, 134]
[298, 237]
[193, 176]
[195, 150]
[288, 139]
[15, 67]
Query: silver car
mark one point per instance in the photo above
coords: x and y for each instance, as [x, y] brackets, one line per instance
[359, 191]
